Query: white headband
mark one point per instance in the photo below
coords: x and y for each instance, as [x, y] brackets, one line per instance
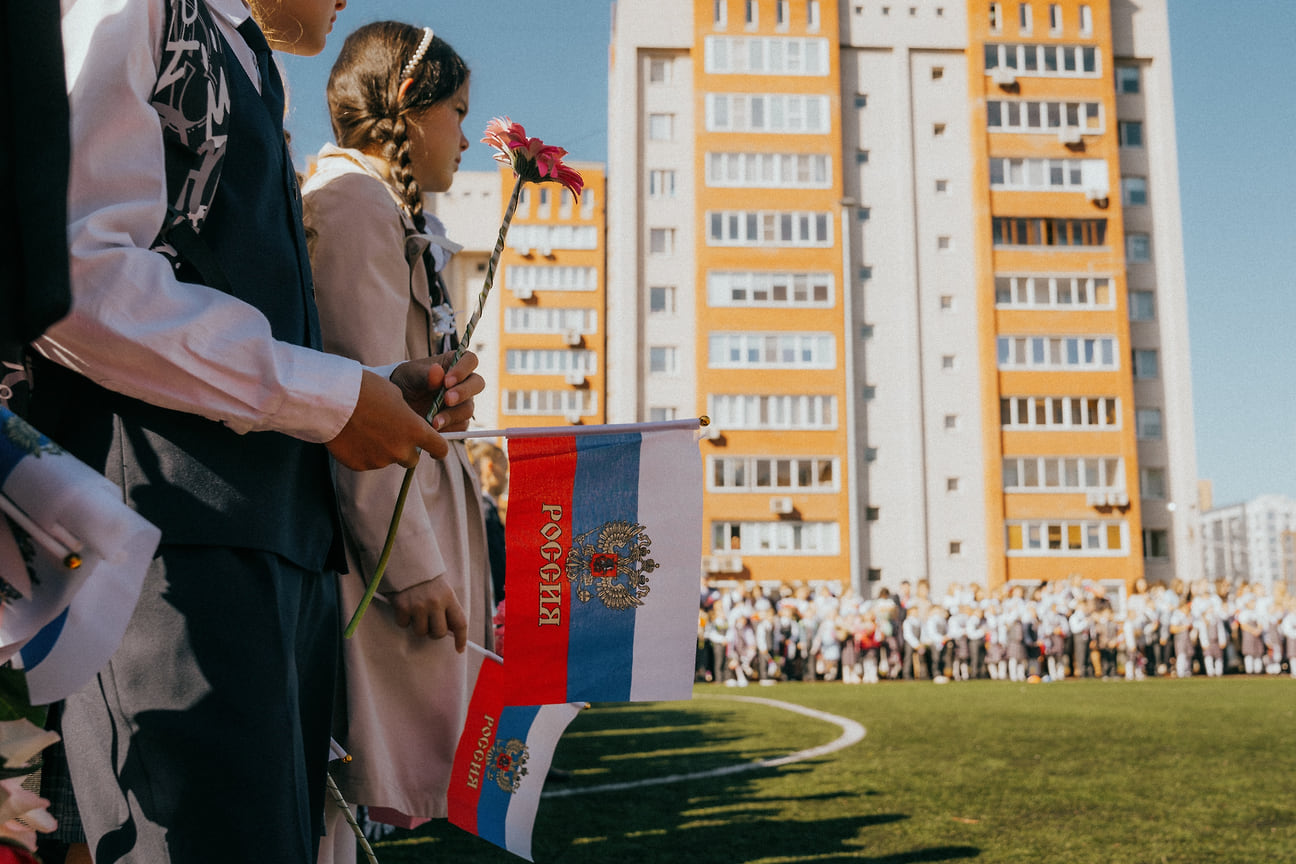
[408, 71]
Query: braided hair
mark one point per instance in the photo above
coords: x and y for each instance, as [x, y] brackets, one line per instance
[369, 108]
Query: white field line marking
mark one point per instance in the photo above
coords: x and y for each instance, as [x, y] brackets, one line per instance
[852, 733]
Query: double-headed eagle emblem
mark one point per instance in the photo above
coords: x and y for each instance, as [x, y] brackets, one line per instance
[506, 764]
[612, 563]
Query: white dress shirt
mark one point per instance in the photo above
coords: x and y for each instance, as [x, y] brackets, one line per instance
[134, 328]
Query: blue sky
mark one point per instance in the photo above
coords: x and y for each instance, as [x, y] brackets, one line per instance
[1236, 125]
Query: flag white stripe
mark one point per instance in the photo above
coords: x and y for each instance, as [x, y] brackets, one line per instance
[548, 726]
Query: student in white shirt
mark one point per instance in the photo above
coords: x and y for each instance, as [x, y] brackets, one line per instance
[202, 392]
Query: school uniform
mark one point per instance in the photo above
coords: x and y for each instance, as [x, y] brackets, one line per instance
[203, 405]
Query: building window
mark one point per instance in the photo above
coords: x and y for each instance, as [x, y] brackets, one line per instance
[1024, 18]
[942, 187]
[1079, 537]
[661, 184]
[1142, 306]
[659, 70]
[545, 204]
[663, 359]
[761, 474]
[661, 413]
[1044, 61]
[1059, 412]
[1038, 117]
[661, 299]
[546, 362]
[1134, 191]
[776, 538]
[944, 243]
[526, 278]
[1063, 474]
[1147, 424]
[766, 55]
[1145, 363]
[1156, 544]
[587, 204]
[769, 170]
[1127, 79]
[1048, 175]
[1061, 292]
[1138, 247]
[955, 548]
[947, 302]
[872, 514]
[1055, 19]
[812, 16]
[1152, 483]
[720, 14]
[875, 574]
[746, 350]
[768, 228]
[938, 130]
[769, 289]
[782, 14]
[778, 113]
[553, 402]
[752, 15]
[661, 241]
[549, 319]
[951, 422]
[937, 73]
[1130, 133]
[951, 484]
[746, 411]
[1057, 352]
[661, 127]
[996, 17]
[947, 362]
[1086, 19]
[1009, 231]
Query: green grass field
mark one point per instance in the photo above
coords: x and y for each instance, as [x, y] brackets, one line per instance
[1161, 771]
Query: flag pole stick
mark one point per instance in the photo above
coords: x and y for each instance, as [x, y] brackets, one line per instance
[351, 820]
[71, 558]
[560, 431]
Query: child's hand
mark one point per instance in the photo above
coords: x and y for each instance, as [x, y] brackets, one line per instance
[421, 380]
[383, 430]
[431, 609]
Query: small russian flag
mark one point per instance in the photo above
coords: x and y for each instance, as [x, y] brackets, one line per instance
[604, 547]
[502, 760]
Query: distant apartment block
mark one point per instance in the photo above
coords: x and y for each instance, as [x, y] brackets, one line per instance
[1254, 541]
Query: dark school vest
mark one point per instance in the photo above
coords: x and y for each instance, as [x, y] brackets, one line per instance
[201, 483]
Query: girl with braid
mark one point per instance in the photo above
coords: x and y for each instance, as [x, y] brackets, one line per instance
[397, 97]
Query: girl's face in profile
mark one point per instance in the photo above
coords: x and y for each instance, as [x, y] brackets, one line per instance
[297, 26]
[437, 141]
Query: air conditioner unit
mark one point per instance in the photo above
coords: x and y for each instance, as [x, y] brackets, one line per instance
[1096, 498]
[1118, 498]
[572, 418]
[576, 379]
[1070, 135]
[711, 433]
[522, 292]
[546, 251]
[1004, 76]
[713, 564]
[781, 504]
[731, 563]
[573, 337]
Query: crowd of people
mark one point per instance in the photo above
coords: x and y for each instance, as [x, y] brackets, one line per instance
[1073, 628]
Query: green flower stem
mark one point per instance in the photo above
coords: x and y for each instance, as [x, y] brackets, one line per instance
[381, 568]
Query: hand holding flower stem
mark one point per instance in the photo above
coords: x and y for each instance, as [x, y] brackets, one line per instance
[533, 162]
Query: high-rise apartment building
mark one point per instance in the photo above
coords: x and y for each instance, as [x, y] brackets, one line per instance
[921, 264]
[1254, 541]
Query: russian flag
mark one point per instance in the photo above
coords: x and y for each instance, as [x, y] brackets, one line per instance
[604, 543]
[63, 615]
[502, 760]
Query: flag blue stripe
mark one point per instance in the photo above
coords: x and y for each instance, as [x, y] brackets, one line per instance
[492, 807]
[600, 648]
[40, 645]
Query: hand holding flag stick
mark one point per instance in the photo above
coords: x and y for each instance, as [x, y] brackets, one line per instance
[532, 161]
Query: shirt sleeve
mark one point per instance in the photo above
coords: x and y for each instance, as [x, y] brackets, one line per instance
[134, 328]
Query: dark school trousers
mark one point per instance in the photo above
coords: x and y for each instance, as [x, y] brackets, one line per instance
[205, 738]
